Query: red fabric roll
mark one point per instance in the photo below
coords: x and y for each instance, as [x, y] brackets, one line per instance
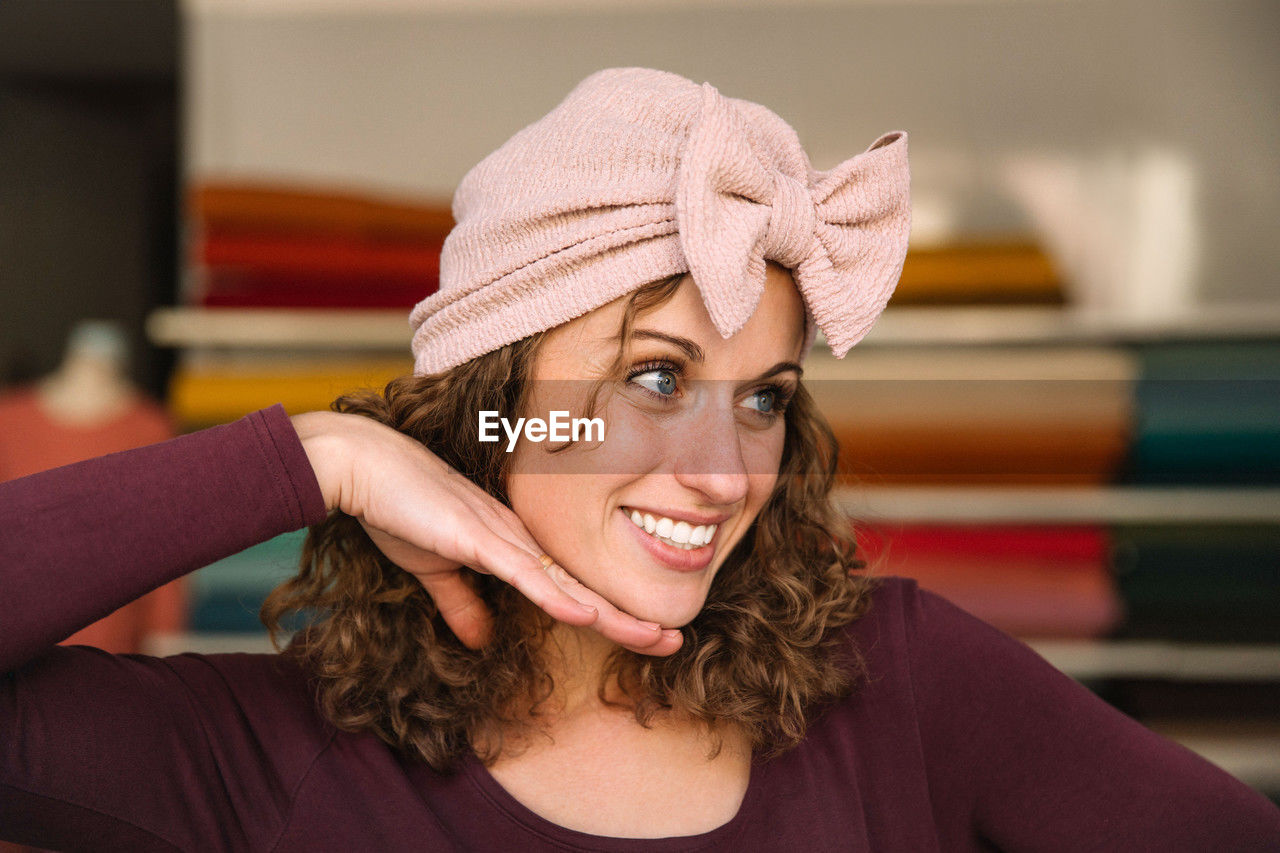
[224, 288]
[1027, 581]
[298, 255]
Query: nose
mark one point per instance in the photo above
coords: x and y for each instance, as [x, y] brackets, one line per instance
[709, 456]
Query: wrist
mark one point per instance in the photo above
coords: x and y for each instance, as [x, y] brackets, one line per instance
[322, 436]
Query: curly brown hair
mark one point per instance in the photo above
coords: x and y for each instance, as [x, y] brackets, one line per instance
[765, 652]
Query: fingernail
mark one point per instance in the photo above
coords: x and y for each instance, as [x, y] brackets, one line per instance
[587, 608]
[652, 626]
[671, 633]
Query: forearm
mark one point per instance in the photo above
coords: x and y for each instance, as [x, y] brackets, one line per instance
[82, 540]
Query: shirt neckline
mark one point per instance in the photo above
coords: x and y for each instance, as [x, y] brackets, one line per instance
[502, 799]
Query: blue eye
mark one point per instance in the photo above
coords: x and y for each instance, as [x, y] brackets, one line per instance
[768, 400]
[660, 381]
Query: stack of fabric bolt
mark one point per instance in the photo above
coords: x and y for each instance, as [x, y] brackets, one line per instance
[274, 246]
[273, 250]
[1208, 415]
[282, 250]
[1155, 416]
[992, 418]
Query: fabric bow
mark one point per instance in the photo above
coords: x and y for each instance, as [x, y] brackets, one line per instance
[741, 200]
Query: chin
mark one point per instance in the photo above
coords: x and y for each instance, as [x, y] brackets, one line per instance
[669, 613]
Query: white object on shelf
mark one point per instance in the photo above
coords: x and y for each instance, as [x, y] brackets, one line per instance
[214, 9]
[1122, 224]
[1253, 758]
[1080, 659]
[1061, 504]
[1249, 752]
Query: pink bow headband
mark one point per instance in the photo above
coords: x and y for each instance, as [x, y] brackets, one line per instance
[639, 175]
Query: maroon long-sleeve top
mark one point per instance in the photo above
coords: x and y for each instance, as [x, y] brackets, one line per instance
[963, 739]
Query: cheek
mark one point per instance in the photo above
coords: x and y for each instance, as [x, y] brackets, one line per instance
[525, 496]
[763, 462]
[554, 510]
[635, 443]
[762, 456]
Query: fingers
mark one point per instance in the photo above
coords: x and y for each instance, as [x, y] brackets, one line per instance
[461, 608]
[622, 628]
[469, 527]
[468, 617]
[562, 596]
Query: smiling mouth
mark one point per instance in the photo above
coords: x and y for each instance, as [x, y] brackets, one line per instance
[677, 534]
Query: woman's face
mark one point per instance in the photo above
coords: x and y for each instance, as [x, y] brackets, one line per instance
[693, 437]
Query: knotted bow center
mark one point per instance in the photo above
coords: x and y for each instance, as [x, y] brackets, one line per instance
[792, 221]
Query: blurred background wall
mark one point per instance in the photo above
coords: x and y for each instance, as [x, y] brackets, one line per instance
[409, 100]
[1068, 420]
[90, 175]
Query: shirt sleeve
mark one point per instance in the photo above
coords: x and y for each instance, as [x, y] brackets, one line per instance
[1028, 759]
[138, 752]
[80, 541]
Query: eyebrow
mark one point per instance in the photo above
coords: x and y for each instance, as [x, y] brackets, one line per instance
[695, 353]
[692, 350]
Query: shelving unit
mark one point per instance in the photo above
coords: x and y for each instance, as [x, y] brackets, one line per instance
[281, 329]
[1062, 505]
[981, 139]
[1251, 752]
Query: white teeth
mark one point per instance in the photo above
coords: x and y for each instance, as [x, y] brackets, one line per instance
[681, 534]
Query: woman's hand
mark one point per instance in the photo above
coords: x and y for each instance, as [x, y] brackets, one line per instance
[432, 521]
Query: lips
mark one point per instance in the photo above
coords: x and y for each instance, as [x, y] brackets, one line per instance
[678, 533]
[680, 557]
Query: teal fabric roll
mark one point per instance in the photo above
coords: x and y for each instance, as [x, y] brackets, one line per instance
[1213, 583]
[226, 596]
[1207, 413]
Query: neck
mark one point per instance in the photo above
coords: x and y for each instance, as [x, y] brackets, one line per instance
[575, 713]
[575, 657]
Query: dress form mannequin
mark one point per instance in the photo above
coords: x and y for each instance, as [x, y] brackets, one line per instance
[90, 386]
[88, 407]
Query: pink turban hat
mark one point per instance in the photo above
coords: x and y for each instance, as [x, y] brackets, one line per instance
[638, 175]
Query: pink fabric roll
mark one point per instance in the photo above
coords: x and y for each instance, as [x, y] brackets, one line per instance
[641, 174]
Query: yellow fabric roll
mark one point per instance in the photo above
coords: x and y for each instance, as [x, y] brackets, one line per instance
[202, 395]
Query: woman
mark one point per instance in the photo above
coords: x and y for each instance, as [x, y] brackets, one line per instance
[646, 640]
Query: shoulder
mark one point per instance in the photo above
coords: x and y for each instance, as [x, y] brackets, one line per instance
[265, 697]
[904, 614]
[931, 653]
[1000, 733]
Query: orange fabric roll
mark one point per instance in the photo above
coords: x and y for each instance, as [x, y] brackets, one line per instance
[981, 454]
[978, 416]
[262, 207]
